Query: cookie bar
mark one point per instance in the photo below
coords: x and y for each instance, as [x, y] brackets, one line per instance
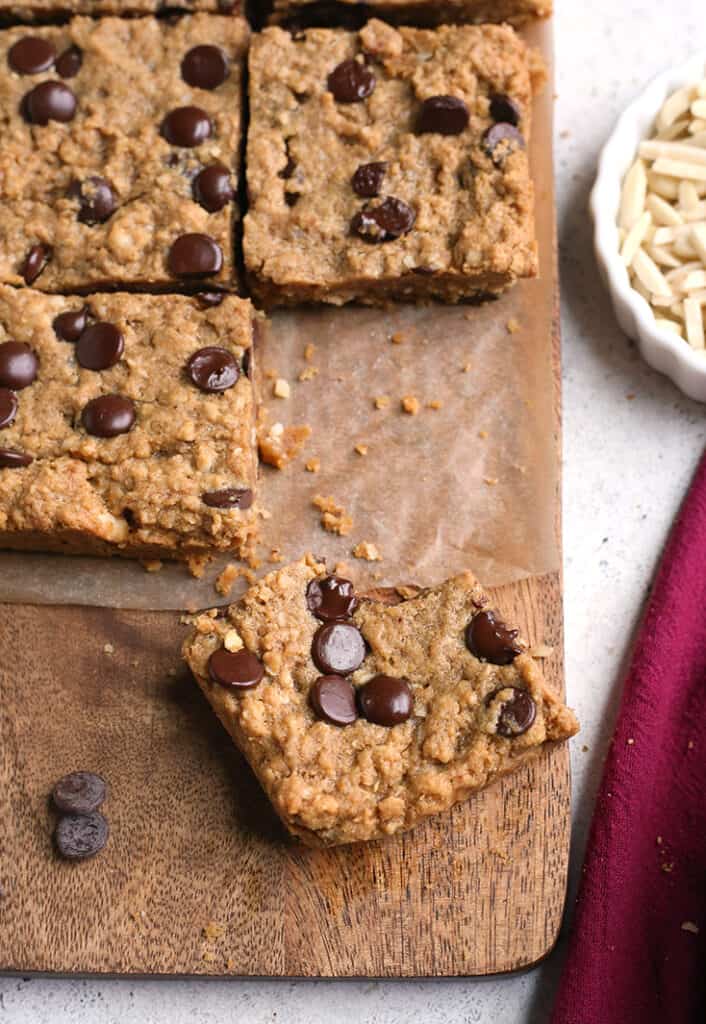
[388, 164]
[38, 10]
[127, 424]
[409, 12]
[362, 718]
[120, 152]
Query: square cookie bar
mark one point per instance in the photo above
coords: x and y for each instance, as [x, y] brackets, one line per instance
[45, 10]
[127, 424]
[388, 164]
[362, 718]
[414, 12]
[120, 152]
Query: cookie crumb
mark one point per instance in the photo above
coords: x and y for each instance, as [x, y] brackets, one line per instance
[226, 579]
[151, 564]
[435, 404]
[361, 449]
[397, 338]
[108, 649]
[584, 749]
[381, 401]
[276, 556]
[309, 351]
[308, 373]
[410, 405]
[280, 444]
[312, 465]
[466, 368]
[513, 325]
[334, 518]
[367, 551]
[197, 565]
[213, 931]
[541, 651]
[208, 956]
[281, 388]
[690, 926]
[631, 742]
[491, 481]
[483, 434]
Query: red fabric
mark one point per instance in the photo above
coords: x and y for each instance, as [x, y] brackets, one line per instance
[630, 958]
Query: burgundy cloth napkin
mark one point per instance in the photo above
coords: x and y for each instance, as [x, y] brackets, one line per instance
[637, 952]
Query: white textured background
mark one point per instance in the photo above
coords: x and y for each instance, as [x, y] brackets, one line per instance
[627, 463]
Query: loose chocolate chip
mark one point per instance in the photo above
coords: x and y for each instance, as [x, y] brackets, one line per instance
[239, 669]
[338, 649]
[207, 300]
[101, 345]
[78, 836]
[195, 255]
[212, 188]
[70, 326]
[517, 713]
[205, 67]
[187, 126]
[69, 62]
[228, 497]
[382, 223]
[489, 639]
[331, 598]
[503, 108]
[213, 369]
[385, 700]
[333, 699]
[35, 262]
[499, 134]
[367, 180]
[10, 458]
[31, 55]
[18, 365]
[351, 81]
[8, 407]
[443, 115]
[96, 199]
[108, 416]
[49, 101]
[79, 793]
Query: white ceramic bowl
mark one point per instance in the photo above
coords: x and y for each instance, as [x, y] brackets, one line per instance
[662, 349]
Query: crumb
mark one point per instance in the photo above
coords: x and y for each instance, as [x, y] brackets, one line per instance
[213, 931]
[630, 396]
[334, 518]
[491, 481]
[410, 405]
[312, 465]
[667, 867]
[276, 556]
[279, 445]
[658, 840]
[151, 564]
[226, 579]
[541, 651]
[397, 338]
[309, 350]
[208, 956]
[381, 401]
[435, 404]
[270, 374]
[513, 325]
[171, 672]
[108, 649]
[361, 449]
[468, 315]
[197, 564]
[308, 373]
[690, 926]
[466, 368]
[584, 749]
[281, 388]
[483, 434]
[631, 742]
[367, 551]
[230, 964]
[690, 745]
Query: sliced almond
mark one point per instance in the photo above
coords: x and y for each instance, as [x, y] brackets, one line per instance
[663, 212]
[634, 194]
[677, 104]
[649, 273]
[635, 237]
[694, 321]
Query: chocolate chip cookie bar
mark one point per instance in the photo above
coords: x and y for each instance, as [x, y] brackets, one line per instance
[127, 424]
[388, 164]
[120, 152]
[361, 718]
[408, 12]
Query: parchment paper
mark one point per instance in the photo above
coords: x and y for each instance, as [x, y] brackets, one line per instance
[473, 484]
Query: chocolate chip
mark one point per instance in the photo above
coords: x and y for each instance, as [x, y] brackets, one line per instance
[385, 700]
[195, 255]
[205, 67]
[69, 62]
[500, 140]
[79, 793]
[30, 55]
[351, 81]
[108, 415]
[213, 369]
[10, 458]
[333, 699]
[35, 262]
[228, 497]
[338, 648]
[291, 198]
[187, 126]
[247, 362]
[70, 326]
[18, 365]
[517, 712]
[443, 115]
[489, 639]
[503, 108]
[289, 168]
[96, 199]
[78, 836]
[8, 407]
[100, 346]
[367, 180]
[212, 188]
[207, 300]
[238, 669]
[331, 598]
[384, 222]
[49, 101]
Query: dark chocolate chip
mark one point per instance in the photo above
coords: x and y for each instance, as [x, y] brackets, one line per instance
[385, 221]
[351, 81]
[10, 458]
[333, 699]
[338, 648]
[79, 793]
[100, 346]
[35, 262]
[78, 836]
[205, 67]
[516, 714]
[108, 415]
[18, 365]
[70, 326]
[8, 407]
[489, 639]
[69, 63]
[367, 180]
[503, 108]
[195, 255]
[501, 139]
[207, 300]
[228, 498]
[238, 669]
[291, 198]
[49, 101]
[247, 362]
[213, 369]
[443, 115]
[96, 199]
[386, 700]
[289, 168]
[187, 126]
[331, 598]
[212, 188]
[31, 55]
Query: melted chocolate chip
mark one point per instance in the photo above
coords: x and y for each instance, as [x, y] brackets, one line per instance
[212, 188]
[10, 458]
[351, 81]
[35, 262]
[500, 140]
[443, 115]
[195, 255]
[8, 407]
[504, 109]
[517, 712]
[100, 346]
[31, 55]
[78, 836]
[187, 127]
[240, 670]
[79, 793]
[333, 699]
[69, 62]
[367, 180]
[385, 700]
[213, 369]
[205, 67]
[331, 598]
[49, 101]
[70, 326]
[207, 300]
[489, 639]
[18, 365]
[108, 416]
[96, 199]
[385, 221]
[338, 648]
[228, 498]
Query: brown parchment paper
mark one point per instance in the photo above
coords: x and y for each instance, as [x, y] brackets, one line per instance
[473, 484]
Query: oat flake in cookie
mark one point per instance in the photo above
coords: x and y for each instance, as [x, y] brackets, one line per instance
[371, 749]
